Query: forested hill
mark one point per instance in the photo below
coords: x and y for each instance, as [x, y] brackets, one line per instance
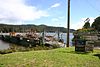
[29, 27]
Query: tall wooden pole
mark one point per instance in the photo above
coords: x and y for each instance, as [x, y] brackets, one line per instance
[68, 23]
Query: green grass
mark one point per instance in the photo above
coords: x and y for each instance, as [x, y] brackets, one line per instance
[61, 57]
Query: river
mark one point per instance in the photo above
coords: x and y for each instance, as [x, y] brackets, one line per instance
[5, 45]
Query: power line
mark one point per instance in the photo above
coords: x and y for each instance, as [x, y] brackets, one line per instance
[92, 6]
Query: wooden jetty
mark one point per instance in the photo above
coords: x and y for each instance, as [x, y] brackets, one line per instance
[30, 39]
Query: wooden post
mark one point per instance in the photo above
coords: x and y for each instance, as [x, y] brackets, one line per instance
[68, 23]
[58, 33]
[43, 35]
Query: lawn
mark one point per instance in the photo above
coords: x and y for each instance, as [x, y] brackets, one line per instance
[61, 57]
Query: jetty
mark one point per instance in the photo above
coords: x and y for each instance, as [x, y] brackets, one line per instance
[31, 39]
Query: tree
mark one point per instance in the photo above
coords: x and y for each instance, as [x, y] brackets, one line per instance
[87, 24]
[96, 24]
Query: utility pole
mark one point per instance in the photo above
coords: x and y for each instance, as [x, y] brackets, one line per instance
[68, 23]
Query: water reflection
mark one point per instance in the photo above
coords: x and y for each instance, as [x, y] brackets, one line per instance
[4, 45]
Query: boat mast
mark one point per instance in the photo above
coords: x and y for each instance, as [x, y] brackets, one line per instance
[68, 23]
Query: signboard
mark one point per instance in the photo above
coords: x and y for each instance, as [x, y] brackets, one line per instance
[86, 47]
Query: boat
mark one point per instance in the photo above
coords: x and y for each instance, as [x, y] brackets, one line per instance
[27, 40]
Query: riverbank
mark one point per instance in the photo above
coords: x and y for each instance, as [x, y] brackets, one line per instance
[61, 57]
[17, 48]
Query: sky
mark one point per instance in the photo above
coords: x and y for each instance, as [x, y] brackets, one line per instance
[48, 12]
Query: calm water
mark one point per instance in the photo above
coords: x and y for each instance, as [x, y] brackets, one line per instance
[4, 45]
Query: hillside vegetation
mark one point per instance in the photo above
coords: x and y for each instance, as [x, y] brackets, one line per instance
[30, 27]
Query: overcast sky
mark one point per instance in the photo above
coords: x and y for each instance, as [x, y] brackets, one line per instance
[48, 12]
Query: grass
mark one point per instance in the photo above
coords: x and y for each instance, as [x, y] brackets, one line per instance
[61, 57]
